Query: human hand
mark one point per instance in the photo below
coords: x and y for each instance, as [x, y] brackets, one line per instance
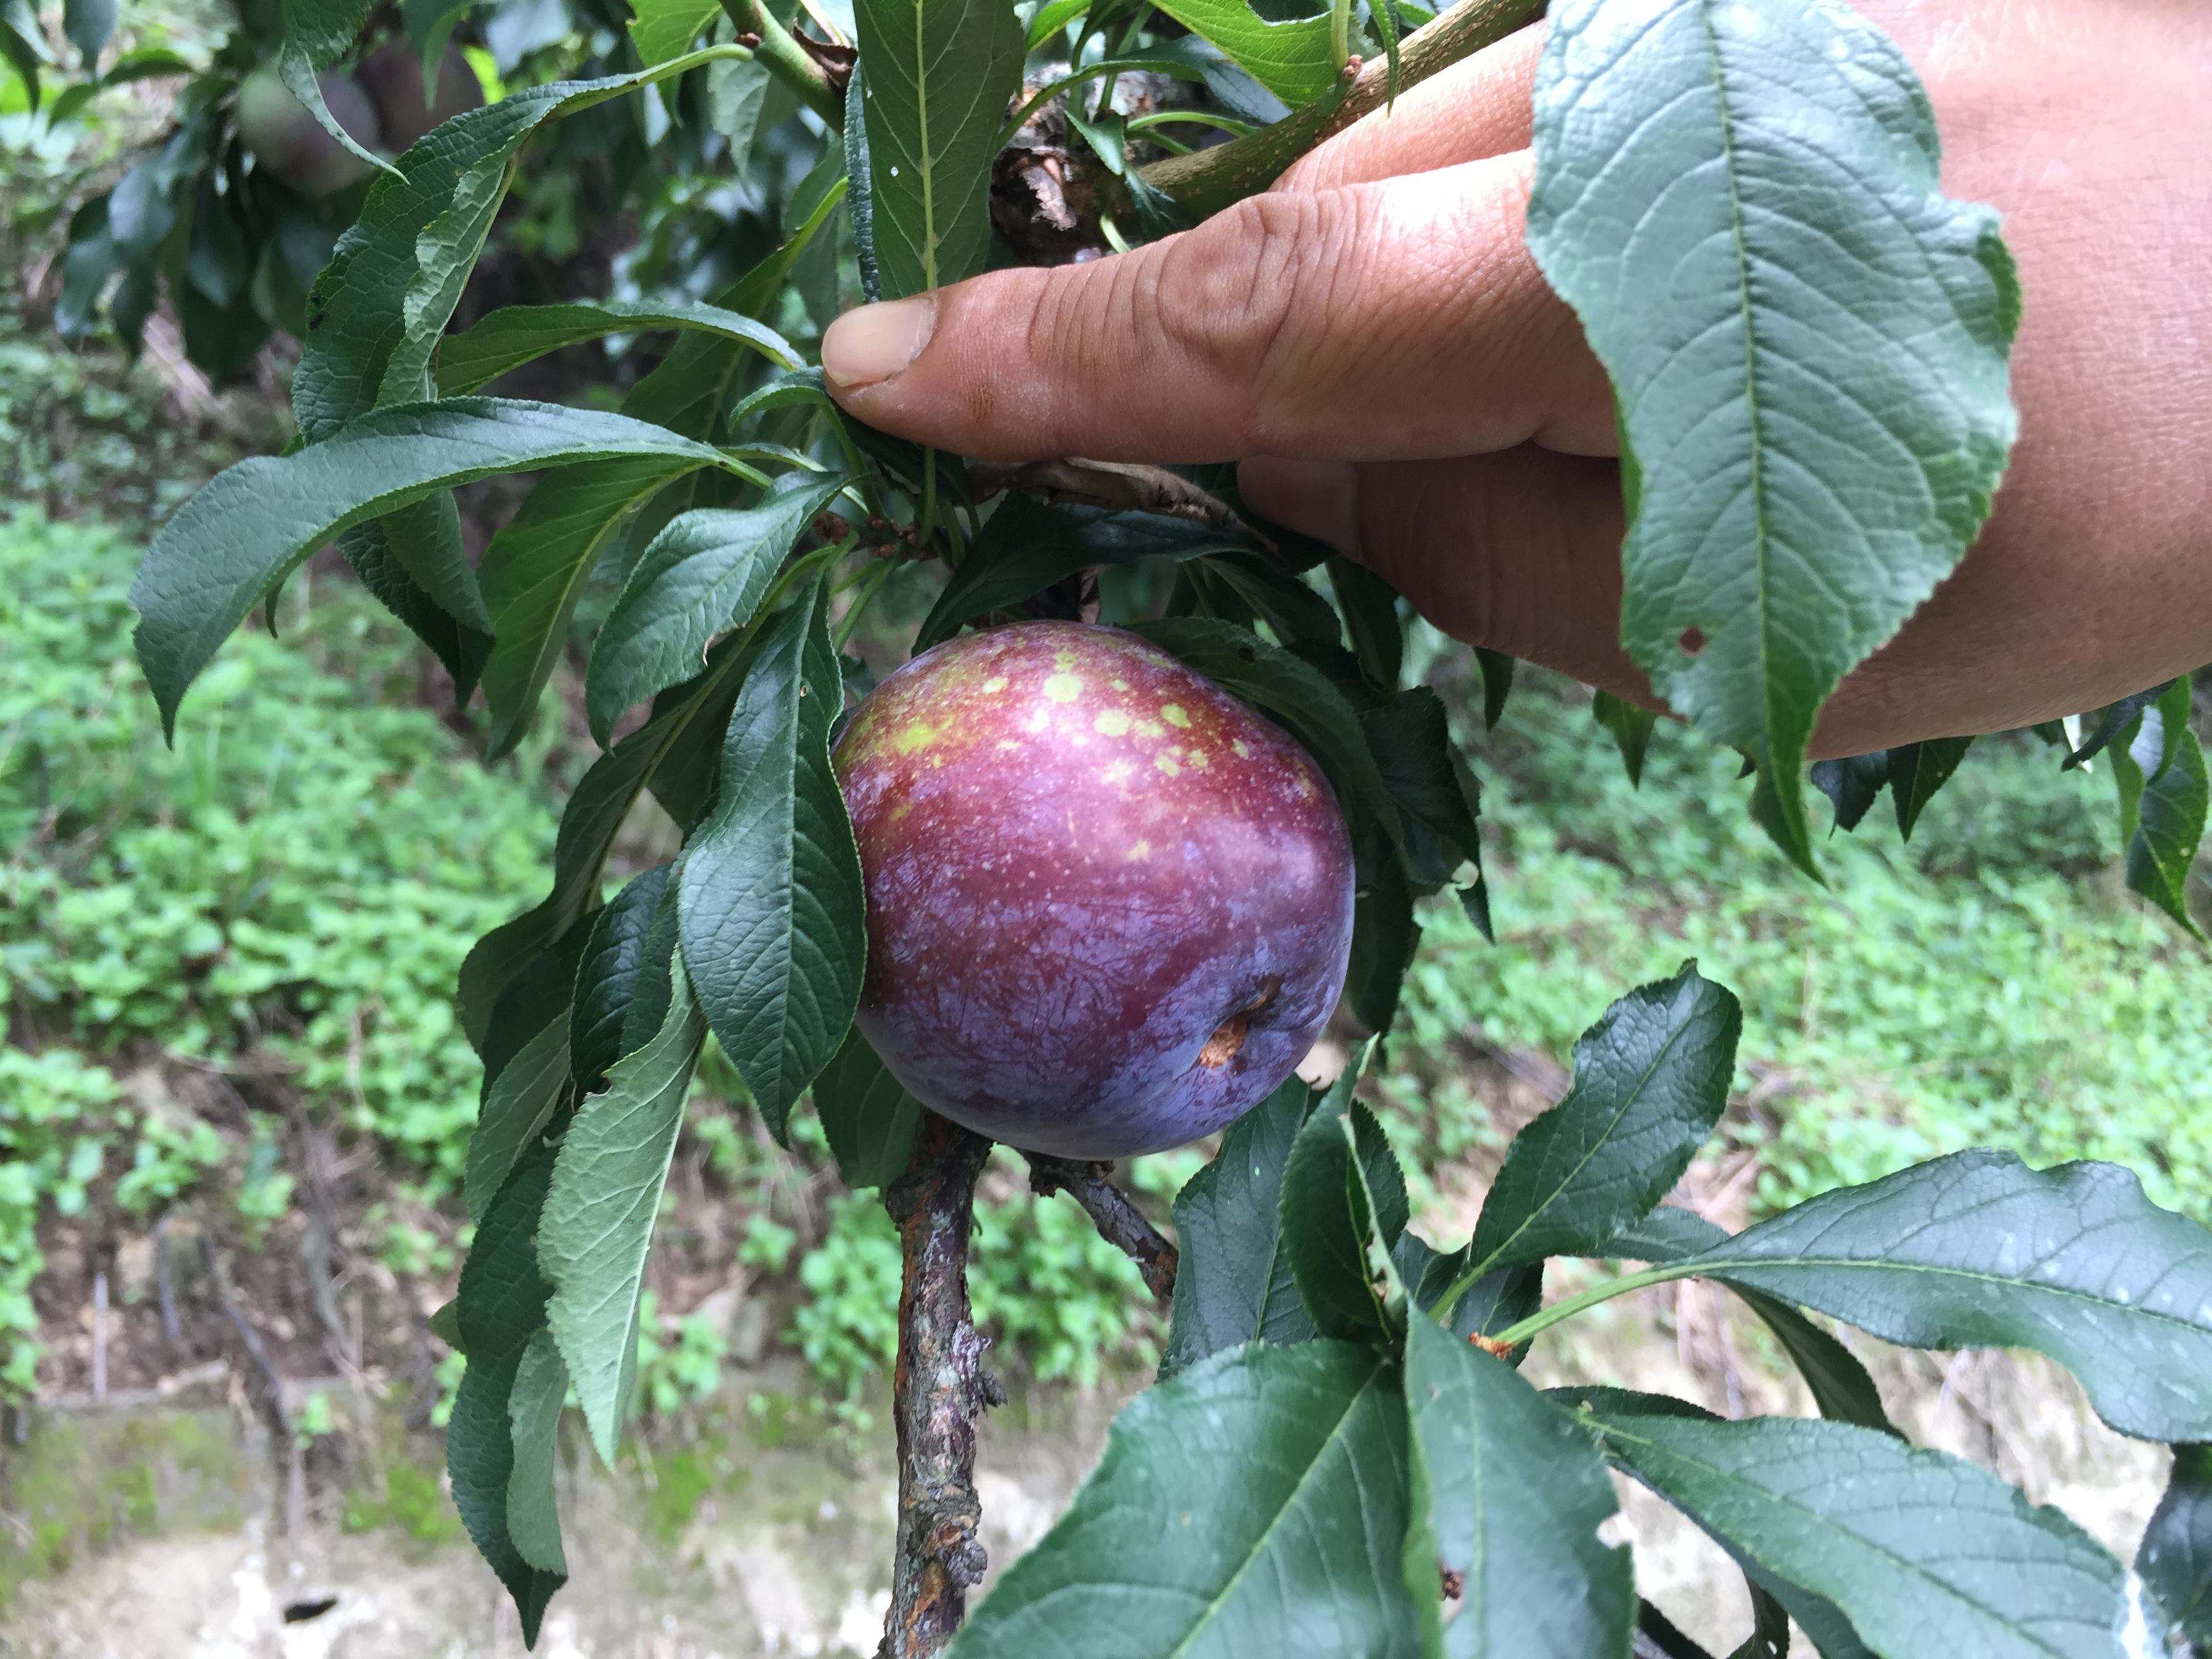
[1372, 341]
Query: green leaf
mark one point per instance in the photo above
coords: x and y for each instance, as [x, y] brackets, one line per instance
[867, 1115]
[1385, 938]
[1659, 1635]
[1977, 1250]
[1233, 1284]
[423, 538]
[517, 334]
[1490, 1305]
[534, 1412]
[705, 573]
[535, 569]
[1027, 545]
[1255, 1503]
[2111, 721]
[1507, 1494]
[1341, 1187]
[772, 913]
[89, 25]
[939, 76]
[1921, 1553]
[1840, 1386]
[653, 991]
[24, 48]
[1807, 340]
[663, 29]
[1292, 57]
[1851, 784]
[1632, 728]
[1426, 781]
[240, 536]
[500, 1306]
[1496, 671]
[389, 289]
[589, 823]
[1295, 613]
[862, 200]
[2162, 783]
[370, 549]
[2175, 1562]
[607, 976]
[1917, 770]
[1770, 1634]
[606, 1194]
[1651, 1081]
[1370, 620]
[518, 1104]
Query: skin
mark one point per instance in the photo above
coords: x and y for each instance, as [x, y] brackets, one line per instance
[1372, 342]
[1109, 908]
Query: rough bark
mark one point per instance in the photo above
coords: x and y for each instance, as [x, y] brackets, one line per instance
[940, 1388]
[1119, 1222]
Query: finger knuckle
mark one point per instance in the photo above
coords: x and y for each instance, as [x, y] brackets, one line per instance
[1238, 298]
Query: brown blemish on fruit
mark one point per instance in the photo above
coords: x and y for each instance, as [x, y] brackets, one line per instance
[1229, 1037]
[1224, 1045]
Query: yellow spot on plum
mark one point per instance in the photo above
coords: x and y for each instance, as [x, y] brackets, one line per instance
[1008, 742]
[1063, 660]
[1119, 772]
[995, 684]
[1113, 723]
[1143, 849]
[1150, 728]
[1063, 688]
[1197, 758]
[1173, 714]
[917, 734]
[1119, 685]
[1166, 763]
[1243, 753]
[901, 810]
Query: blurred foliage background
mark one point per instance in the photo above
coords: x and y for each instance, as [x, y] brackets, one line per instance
[226, 968]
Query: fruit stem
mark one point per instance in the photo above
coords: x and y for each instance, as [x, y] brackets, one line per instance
[938, 1391]
[1119, 1223]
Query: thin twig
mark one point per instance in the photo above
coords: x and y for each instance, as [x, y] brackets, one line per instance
[1119, 1223]
[938, 1390]
[1207, 181]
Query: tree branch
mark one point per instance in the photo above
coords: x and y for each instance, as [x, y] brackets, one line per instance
[1119, 1222]
[780, 53]
[938, 1390]
[1206, 181]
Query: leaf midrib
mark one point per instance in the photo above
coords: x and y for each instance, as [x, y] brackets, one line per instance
[1903, 1564]
[1534, 1215]
[1752, 407]
[1700, 1267]
[1221, 1598]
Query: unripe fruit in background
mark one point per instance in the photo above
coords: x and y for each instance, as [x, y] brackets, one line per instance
[1109, 906]
[289, 142]
[392, 78]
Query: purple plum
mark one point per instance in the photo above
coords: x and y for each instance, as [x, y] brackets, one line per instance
[1109, 906]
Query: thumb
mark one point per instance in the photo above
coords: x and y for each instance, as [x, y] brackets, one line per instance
[1402, 317]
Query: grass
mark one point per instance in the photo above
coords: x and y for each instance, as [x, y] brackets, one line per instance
[1989, 983]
